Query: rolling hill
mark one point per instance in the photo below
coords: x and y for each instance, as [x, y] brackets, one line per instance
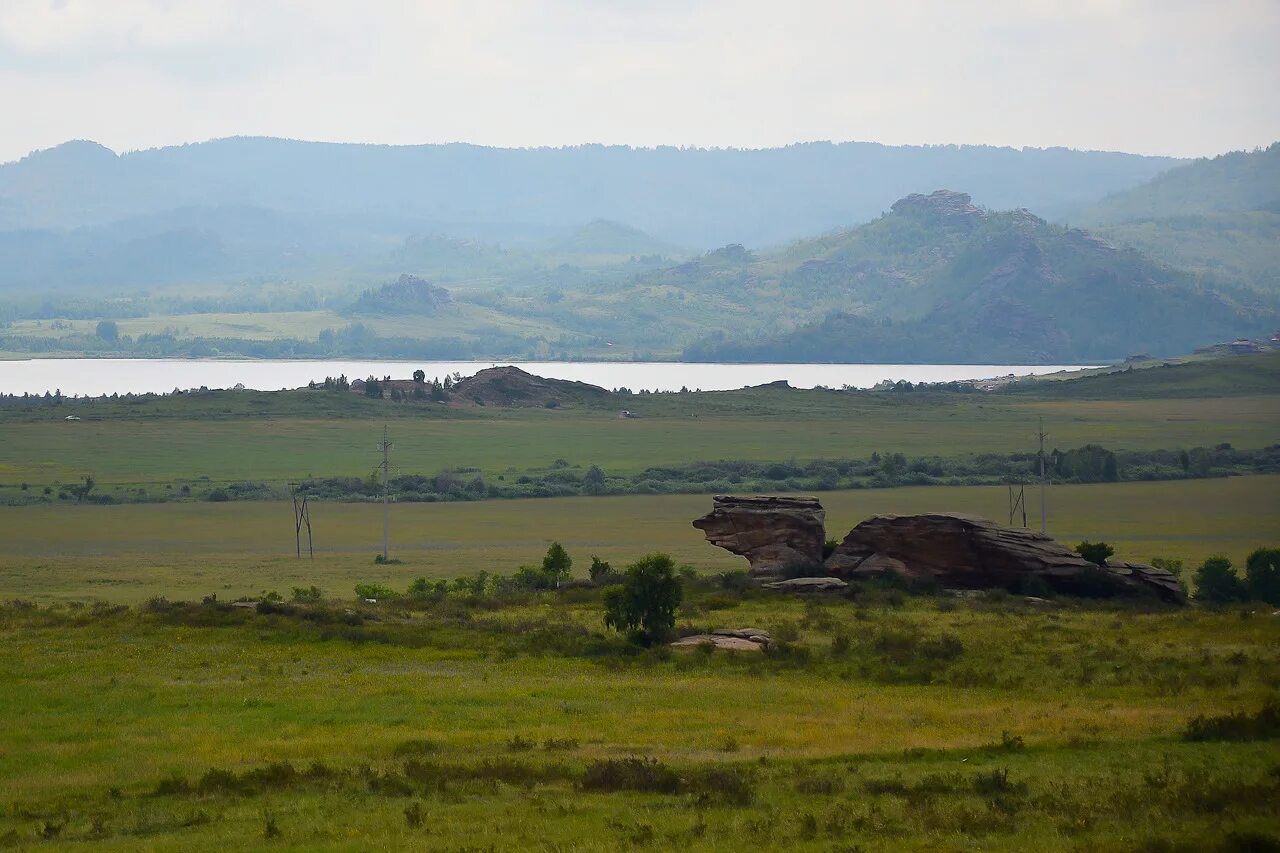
[1218, 217]
[941, 279]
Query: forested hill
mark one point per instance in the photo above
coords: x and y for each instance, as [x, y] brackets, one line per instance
[687, 197]
[1230, 183]
[1219, 217]
[939, 279]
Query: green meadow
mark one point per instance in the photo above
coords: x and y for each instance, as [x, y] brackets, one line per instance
[140, 710]
[131, 552]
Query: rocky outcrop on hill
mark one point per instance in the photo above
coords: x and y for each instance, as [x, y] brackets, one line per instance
[511, 386]
[771, 532]
[949, 549]
[940, 204]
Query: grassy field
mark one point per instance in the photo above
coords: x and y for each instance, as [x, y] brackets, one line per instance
[186, 550]
[282, 436]
[880, 721]
[934, 724]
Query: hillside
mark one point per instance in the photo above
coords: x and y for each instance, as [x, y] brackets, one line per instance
[1218, 217]
[941, 279]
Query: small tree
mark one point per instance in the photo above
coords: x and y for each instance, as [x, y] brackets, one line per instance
[644, 605]
[1262, 575]
[593, 481]
[557, 564]
[1217, 582]
[108, 331]
[419, 376]
[82, 491]
[600, 570]
[1095, 552]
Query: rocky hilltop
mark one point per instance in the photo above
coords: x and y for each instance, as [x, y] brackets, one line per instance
[511, 386]
[780, 535]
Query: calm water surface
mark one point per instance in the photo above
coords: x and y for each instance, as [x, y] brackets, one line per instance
[92, 376]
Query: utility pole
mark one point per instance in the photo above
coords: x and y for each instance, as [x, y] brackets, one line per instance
[385, 447]
[1043, 436]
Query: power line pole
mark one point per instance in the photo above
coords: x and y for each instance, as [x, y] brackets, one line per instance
[385, 447]
[1043, 435]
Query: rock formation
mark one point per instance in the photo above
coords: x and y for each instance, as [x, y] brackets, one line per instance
[972, 553]
[511, 386]
[950, 549]
[771, 532]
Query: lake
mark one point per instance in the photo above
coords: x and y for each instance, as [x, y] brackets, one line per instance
[94, 377]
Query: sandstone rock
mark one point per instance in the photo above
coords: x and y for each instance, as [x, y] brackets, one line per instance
[771, 532]
[758, 634]
[968, 552]
[732, 644]
[808, 585]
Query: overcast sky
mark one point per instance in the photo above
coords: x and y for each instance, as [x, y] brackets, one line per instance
[1184, 77]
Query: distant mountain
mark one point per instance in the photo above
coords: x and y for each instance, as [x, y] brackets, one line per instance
[688, 197]
[941, 279]
[1218, 217]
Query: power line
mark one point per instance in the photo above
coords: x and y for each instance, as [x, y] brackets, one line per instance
[385, 447]
[1042, 435]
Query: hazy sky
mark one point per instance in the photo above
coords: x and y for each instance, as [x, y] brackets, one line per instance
[1185, 77]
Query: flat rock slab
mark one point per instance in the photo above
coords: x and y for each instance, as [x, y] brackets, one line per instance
[808, 585]
[720, 641]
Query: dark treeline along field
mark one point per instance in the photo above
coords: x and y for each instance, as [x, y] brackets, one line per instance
[192, 270]
[1088, 464]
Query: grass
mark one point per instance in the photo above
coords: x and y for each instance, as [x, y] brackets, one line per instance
[880, 722]
[144, 729]
[186, 550]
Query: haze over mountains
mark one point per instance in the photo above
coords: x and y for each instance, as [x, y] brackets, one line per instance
[592, 249]
[690, 197]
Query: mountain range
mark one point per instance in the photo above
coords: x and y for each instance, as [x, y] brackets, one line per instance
[587, 250]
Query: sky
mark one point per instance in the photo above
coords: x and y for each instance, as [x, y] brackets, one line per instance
[1179, 77]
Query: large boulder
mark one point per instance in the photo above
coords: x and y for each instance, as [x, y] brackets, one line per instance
[966, 552]
[773, 533]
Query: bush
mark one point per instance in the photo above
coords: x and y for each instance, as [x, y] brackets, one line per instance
[1095, 552]
[218, 496]
[1217, 582]
[630, 774]
[375, 591]
[301, 594]
[1262, 575]
[1239, 726]
[644, 606]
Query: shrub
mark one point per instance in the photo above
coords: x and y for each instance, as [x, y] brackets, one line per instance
[218, 496]
[630, 774]
[644, 606]
[1217, 582]
[602, 573]
[1095, 552]
[1242, 725]
[375, 591]
[302, 594]
[1262, 575]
